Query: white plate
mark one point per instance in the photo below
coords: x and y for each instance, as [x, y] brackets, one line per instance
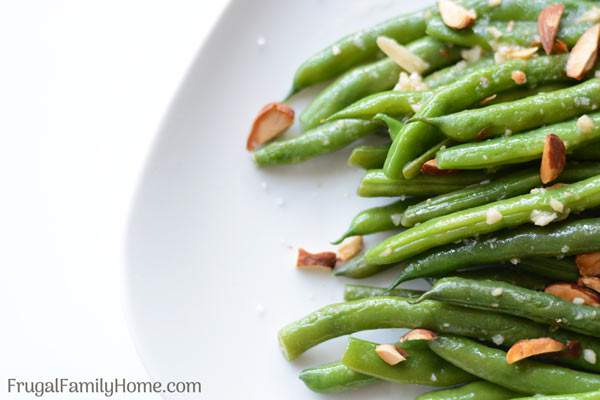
[212, 238]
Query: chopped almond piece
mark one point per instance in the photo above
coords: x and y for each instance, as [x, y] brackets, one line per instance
[590, 282]
[319, 262]
[532, 347]
[588, 264]
[554, 158]
[390, 354]
[401, 55]
[574, 294]
[456, 16]
[418, 334]
[350, 248]
[584, 53]
[519, 77]
[548, 23]
[271, 121]
[431, 168]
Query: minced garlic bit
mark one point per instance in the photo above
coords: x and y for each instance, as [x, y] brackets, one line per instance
[401, 55]
[557, 205]
[515, 261]
[494, 3]
[505, 53]
[497, 292]
[542, 218]
[585, 124]
[498, 339]
[336, 50]
[495, 32]
[519, 77]
[471, 55]
[396, 219]
[493, 216]
[411, 83]
[592, 15]
[416, 107]
[578, 300]
[589, 356]
[510, 26]
[433, 377]
[565, 249]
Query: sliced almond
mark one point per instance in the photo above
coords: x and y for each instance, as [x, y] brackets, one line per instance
[431, 168]
[350, 248]
[554, 158]
[519, 77]
[588, 264]
[590, 282]
[401, 55]
[574, 294]
[548, 23]
[319, 261]
[271, 121]
[418, 334]
[533, 347]
[456, 16]
[584, 53]
[390, 354]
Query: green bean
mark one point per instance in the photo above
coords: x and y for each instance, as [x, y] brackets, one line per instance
[578, 396]
[393, 312]
[520, 115]
[394, 126]
[527, 376]
[511, 185]
[421, 367]
[521, 93]
[417, 136]
[552, 268]
[377, 219]
[368, 157]
[586, 153]
[357, 292]
[373, 78]
[376, 184]
[334, 377]
[413, 167]
[535, 207]
[453, 73]
[506, 274]
[515, 149]
[508, 299]
[358, 268]
[566, 238]
[480, 390]
[321, 140]
[356, 49]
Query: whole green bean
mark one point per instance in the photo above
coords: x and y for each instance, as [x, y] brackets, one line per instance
[526, 376]
[577, 396]
[535, 207]
[356, 49]
[513, 184]
[321, 140]
[501, 273]
[566, 238]
[368, 157]
[556, 269]
[421, 367]
[334, 377]
[376, 184]
[515, 149]
[520, 115]
[377, 219]
[373, 78]
[359, 268]
[508, 299]
[357, 292]
[394, 312]
[480, 390]
[417, 137]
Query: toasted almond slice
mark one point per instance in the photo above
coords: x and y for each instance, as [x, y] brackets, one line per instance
[418, 334]
[319, 261]
[431, 168]
[588, 264]
[533, 347]
[519, 77]
[401, 55]
[554, 158]
[574, 294]
[548, 23]
[456, 16]
[590, 282]
[271, 121]
[560, 47]
[390, 354]
[350, 248]
[584, 53]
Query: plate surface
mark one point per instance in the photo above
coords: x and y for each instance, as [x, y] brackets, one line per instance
[212, 239]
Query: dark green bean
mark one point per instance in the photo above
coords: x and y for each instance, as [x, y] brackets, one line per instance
[357, 292]
[527, 376]
[334, 377]
[590, 152]
[556, 269]
[508, 299]
[368, 157]
[480, 390]
[501, 273]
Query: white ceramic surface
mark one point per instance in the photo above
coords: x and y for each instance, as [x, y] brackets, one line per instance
[212, 239]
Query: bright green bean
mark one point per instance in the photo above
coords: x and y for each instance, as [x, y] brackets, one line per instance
[413, 167]
[357, 292]
[453, 73]
[479, 390]
[334, 377]
[368, 157]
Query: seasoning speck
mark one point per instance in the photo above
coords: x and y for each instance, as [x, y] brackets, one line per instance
[589, 356]
[497, 292]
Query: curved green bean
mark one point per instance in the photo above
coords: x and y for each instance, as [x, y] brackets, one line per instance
[333, 378]
[480, 390]
[357, 292]
[368, 157]
[563, 270]
[577, 396]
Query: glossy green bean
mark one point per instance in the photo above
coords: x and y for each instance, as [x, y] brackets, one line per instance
[480, 390]
[488, 191]
[503, 273]
[520, 115]
[376, 184]
[417, 137]
[377, 219]
[565, 238]
[413, 168]
[515, 149]
[421, 367]
[556, 269]
[356, 49]
[394, 125]
[368, 157]
[357, 292]
[333, 378]
[453, 73]
[577, 396]
[475, 221]
[526, 376]
[373, 78]
[508, 299]
[321, 140]
[359, 268]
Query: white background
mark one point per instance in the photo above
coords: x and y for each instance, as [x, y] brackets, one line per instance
[83, 87]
